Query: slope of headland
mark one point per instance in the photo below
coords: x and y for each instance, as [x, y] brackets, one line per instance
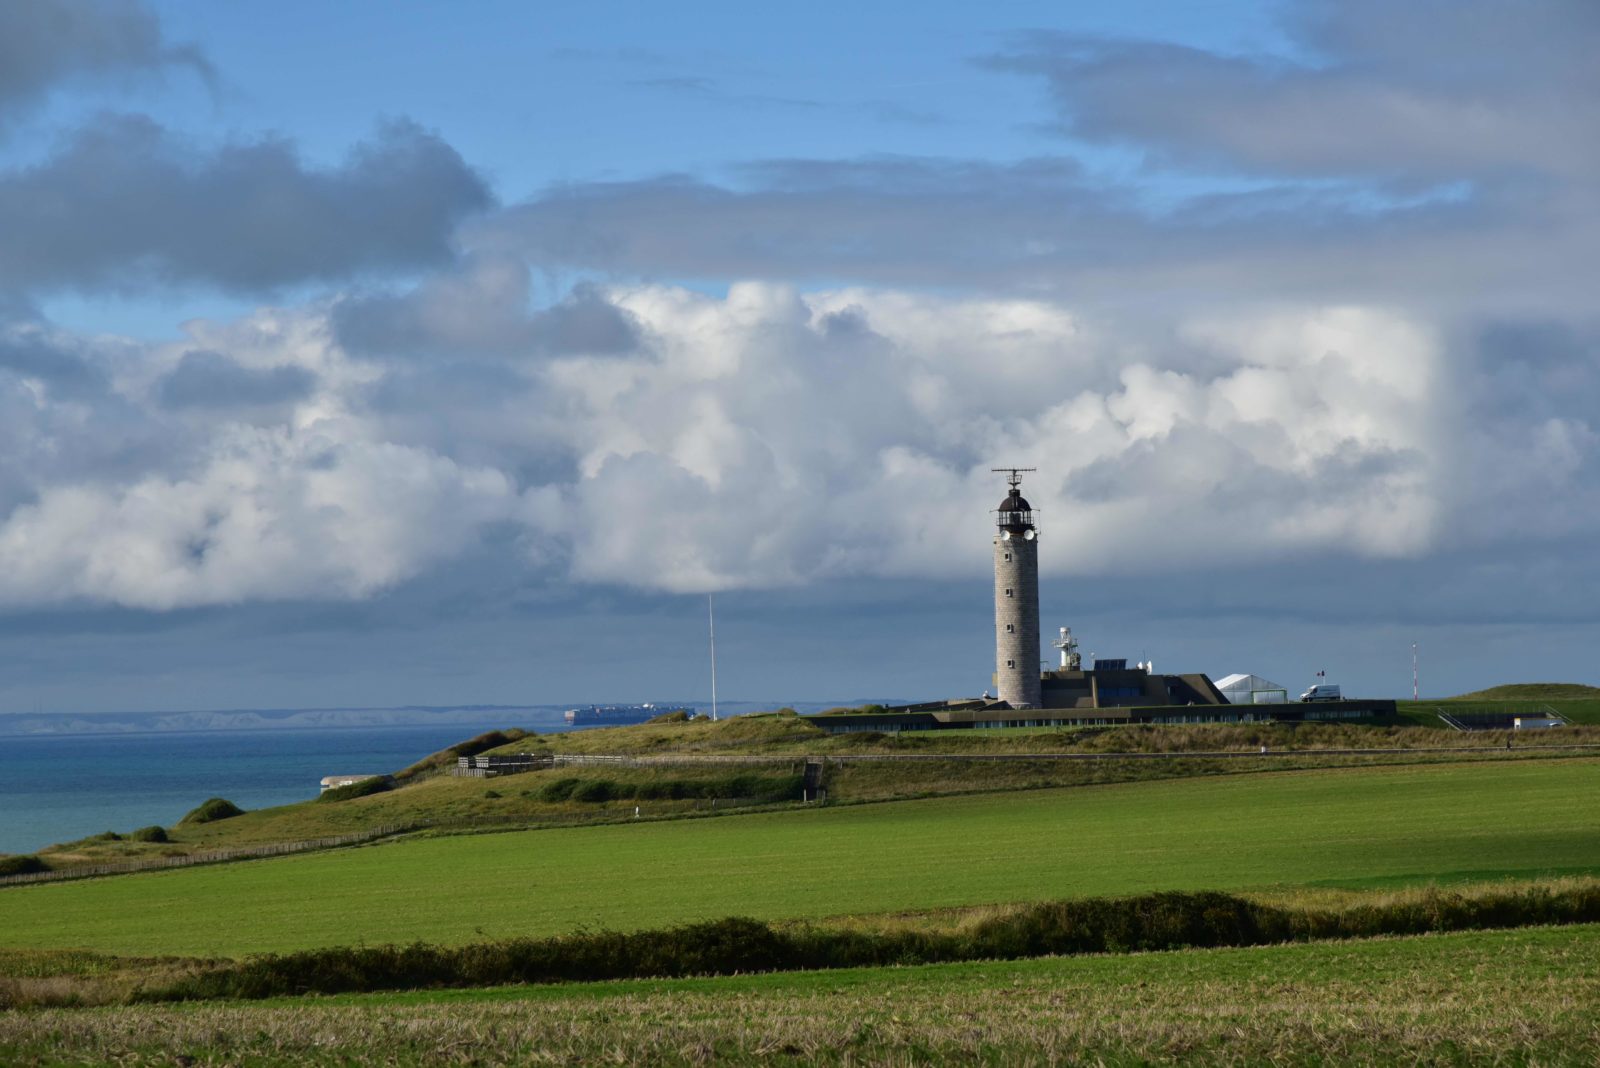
[669, 770]
[1362, 827]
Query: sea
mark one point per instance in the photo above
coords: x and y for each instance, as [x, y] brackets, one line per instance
[57, 788]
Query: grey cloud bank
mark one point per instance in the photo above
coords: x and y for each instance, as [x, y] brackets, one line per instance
[45, 43]
[125, 205]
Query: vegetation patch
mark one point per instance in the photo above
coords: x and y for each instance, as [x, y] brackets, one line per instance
[1160, 921]
[447, 758]
[211, 810]
[22, 864]
[755, 787]
[559, 789]
[1533, 691]
[1416, 726]
[153, 833]
[377, 784]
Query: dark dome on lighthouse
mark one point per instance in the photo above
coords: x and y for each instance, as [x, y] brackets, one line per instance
[1015, 502]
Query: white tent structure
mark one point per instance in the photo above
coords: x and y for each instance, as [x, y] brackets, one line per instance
[1252, 690]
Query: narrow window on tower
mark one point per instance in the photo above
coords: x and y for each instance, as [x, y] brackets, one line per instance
[1008, 557]
[1011, 663]
[1010, 593]
[1011, 628]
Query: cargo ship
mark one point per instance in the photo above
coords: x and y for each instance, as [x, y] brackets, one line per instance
[617, 715]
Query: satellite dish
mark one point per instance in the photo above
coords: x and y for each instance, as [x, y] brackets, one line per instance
[1028, 534]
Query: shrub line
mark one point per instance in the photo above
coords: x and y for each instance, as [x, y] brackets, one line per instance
[734, 945]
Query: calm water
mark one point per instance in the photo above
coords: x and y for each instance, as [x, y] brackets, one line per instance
[55, 789]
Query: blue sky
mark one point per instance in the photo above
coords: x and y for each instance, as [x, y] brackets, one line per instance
[562, 94]
[368, 355]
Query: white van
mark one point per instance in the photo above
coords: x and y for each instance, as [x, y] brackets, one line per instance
[1322, 691]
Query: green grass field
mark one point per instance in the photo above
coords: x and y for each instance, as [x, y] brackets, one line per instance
[1355, 827]
[433, 798]
[1498, 997]
[1579, 711]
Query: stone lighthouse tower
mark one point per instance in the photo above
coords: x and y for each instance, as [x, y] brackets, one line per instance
[1016, 598]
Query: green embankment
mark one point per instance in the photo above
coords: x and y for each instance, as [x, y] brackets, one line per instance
[1379, 826]
[1535, 691]
[1500, 997]
[1579, 711]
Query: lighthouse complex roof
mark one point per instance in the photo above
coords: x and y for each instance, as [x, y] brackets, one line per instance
[1245, 684]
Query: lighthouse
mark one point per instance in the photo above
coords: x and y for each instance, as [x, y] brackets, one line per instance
[1016, 597]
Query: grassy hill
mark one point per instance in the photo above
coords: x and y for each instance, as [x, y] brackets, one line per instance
[1534, 691]
[1355, 827]
[427, 795]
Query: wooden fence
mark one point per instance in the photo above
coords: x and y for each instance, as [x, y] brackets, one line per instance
[215, 856]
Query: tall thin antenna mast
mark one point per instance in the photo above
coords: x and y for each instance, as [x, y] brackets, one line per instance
[711, 614]
[1414, 671]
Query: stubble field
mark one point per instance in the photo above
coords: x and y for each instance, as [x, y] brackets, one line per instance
[1499, 997]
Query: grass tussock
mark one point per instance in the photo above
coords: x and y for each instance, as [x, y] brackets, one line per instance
[760, 788]
[736, 945]
[211, 810]
[38, 978]
[22, 864]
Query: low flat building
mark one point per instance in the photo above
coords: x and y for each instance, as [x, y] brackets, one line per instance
[1113, 684]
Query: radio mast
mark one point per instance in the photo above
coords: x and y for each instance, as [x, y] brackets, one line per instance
[711, 616]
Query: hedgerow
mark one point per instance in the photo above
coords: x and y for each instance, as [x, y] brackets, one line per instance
[1159, 921]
